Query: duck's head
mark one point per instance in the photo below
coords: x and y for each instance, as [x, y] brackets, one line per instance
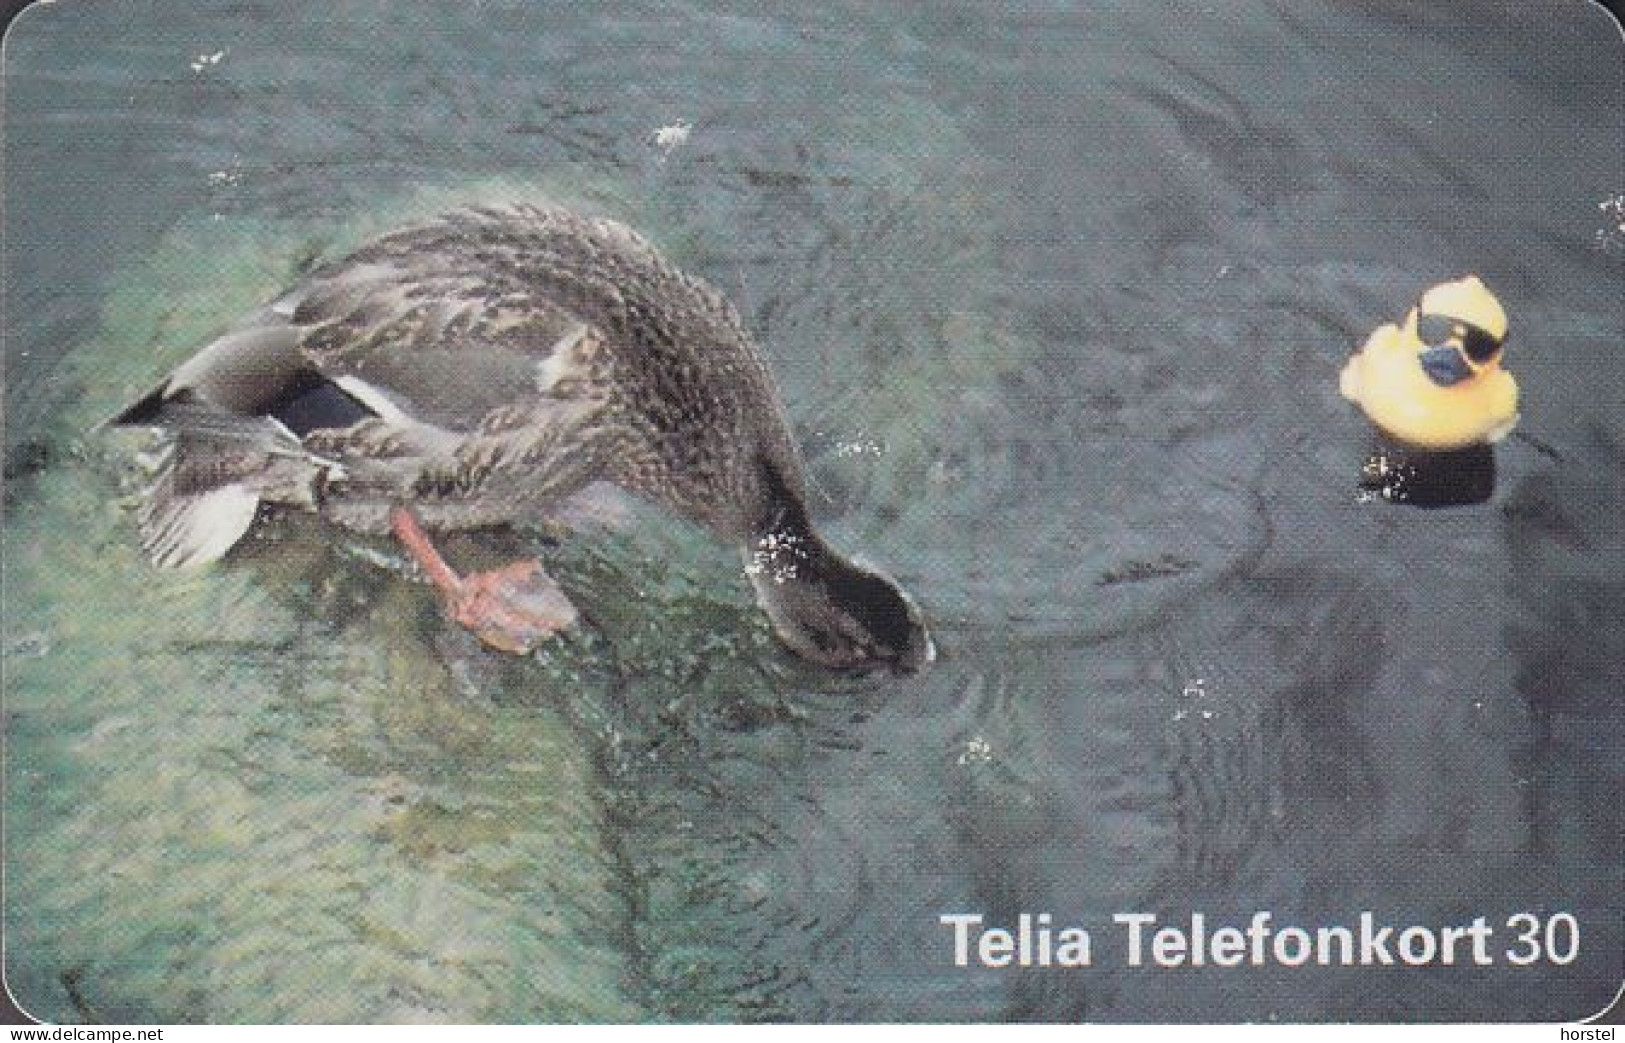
[825, 607]
[1459, 330]
[841, 614]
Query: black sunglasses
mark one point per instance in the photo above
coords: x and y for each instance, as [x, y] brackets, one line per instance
[1434, 330]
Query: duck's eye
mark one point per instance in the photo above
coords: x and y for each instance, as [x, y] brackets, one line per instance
[1434, 330]
[1480, 346]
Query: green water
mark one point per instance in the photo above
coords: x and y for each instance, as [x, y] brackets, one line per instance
[322, 762]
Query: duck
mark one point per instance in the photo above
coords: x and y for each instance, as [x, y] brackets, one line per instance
[481, 369]
[1434, 380]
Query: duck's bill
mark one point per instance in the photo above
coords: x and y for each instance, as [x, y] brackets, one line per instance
[1444, 365]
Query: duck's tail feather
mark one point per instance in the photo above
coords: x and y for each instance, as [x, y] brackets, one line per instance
[144, 411]
[210, 476]
[181, 529]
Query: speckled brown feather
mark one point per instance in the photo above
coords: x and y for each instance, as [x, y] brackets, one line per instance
[481, 369]
[662, 391]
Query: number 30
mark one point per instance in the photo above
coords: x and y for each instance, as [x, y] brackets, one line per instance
[1561, 946]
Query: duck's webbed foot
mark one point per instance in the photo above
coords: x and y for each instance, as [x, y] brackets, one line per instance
[511, 609]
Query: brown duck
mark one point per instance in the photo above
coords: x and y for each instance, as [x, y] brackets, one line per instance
[481, 369]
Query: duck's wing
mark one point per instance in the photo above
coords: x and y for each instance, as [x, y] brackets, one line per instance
[443, 324]
[225, 450]
[415, 367]
[484, 382]
[430, 347]
[451, 322]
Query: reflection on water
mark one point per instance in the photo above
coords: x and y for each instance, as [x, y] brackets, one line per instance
[1057, 300]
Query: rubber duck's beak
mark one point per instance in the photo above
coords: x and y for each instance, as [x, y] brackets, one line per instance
[1444, 365]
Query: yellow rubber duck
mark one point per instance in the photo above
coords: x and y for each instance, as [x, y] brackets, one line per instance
[1436, 382]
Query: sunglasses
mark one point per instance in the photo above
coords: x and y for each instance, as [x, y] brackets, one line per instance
[1438, 330]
